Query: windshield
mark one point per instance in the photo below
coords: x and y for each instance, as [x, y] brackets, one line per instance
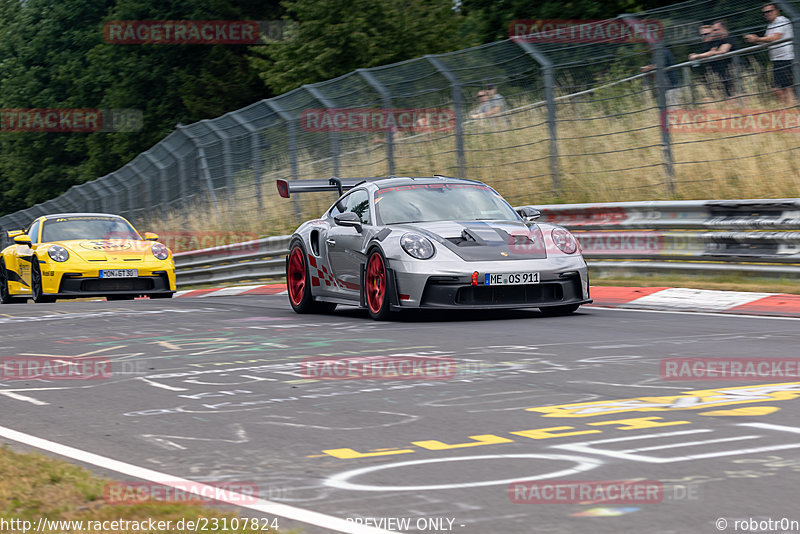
[441, 202]
[67, 228]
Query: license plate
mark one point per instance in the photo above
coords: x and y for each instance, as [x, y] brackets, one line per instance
[119, 273]
[510, 279]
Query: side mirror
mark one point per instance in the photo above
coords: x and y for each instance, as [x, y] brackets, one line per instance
[348, 219]
[14, 233]
[22, 239]
[528, 213]
[150, 236]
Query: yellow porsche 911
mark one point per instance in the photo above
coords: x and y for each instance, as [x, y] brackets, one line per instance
[74, 255]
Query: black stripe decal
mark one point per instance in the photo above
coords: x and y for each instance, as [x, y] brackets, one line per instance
[13, 276]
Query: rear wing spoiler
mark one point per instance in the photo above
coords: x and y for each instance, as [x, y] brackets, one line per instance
[340, 185]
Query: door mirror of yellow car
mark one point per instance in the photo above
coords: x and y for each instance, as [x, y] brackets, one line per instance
[150, 236]
[14, 233]
[22, 239]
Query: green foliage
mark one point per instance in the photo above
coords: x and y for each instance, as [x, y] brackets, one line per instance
[335, 37]
[52, 55]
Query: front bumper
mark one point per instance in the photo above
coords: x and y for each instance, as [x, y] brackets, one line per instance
[564, 281]
[73, 281]
[443, 293]
[142, 285]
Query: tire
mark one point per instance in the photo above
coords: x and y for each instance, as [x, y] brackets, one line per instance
[5, 294]
[555, 311]
[36, 283]
[376, 287]
[298, 283]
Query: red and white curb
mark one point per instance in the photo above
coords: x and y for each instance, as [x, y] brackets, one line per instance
[706, 300]
[649, 298]
[268, 289]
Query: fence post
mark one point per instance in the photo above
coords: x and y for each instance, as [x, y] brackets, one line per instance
[549, 96]
[183, 185]
[687, 82]
[162, 174]
[255, 146]
[202, 168]
[87, 200]
[226, 160]
[322, 99]
[794, 16]
[659, 51]
[292, 131]
[386, 97]
[458, 109]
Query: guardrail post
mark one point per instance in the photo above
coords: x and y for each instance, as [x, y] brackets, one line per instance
[793, 15]
[458, 109]
[386, 97]
[334, 135]
[291, 128]
[549, 96]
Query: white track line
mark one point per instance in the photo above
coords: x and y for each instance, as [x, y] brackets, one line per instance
[260, 505]
[706, 313]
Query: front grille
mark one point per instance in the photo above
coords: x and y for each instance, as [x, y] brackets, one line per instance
[527, 294]
[117, 284]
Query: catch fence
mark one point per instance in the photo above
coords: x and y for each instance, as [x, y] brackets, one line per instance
[582, 123]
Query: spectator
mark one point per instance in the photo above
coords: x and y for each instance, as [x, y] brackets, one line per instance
[719, 42]
[673, 83]
[490, 103]
[781, 55]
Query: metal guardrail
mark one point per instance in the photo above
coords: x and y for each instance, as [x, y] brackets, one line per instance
[753, 237]
[249, 260]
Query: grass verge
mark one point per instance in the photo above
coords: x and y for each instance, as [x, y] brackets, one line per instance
[33, 486]
[718, 282]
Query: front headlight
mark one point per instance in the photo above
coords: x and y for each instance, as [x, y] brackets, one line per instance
[417, 246]
[58, 253]
[160, 251]
[564, 240]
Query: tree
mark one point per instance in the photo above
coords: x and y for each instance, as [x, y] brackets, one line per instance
[335, 37]
[52, 55]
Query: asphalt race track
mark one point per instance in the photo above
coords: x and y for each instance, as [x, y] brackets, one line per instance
[215, 390]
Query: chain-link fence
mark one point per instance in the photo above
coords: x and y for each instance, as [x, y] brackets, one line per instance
[582, 119]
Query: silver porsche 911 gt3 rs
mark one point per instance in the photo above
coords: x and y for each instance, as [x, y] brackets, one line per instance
[391, 244]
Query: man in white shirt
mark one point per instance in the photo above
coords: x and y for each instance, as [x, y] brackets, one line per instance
[781, 55]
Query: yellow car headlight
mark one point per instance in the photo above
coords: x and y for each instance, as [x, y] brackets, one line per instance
[58, 253]
[160, 251]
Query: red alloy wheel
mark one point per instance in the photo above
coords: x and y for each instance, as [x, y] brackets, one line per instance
[296, 276]
[376, 283]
